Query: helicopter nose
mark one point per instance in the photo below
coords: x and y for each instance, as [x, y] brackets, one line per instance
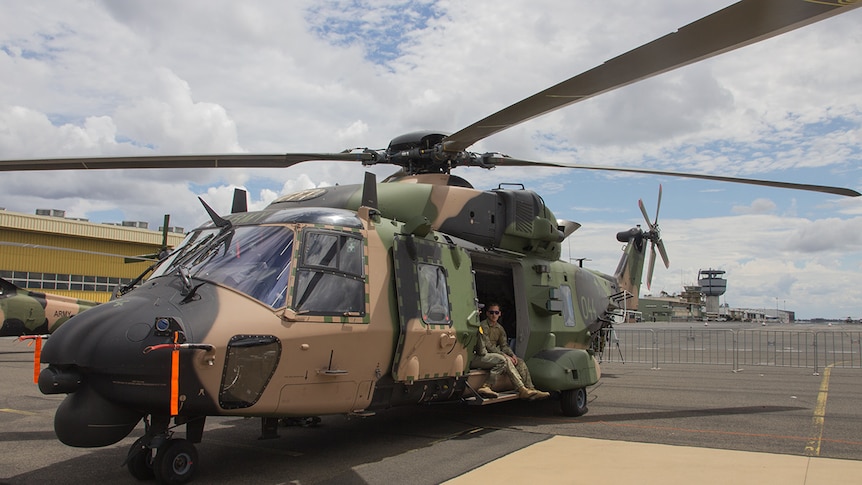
[110, 338]
[98, 359]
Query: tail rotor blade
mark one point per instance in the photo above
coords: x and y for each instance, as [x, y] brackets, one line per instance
[651, 266]
[643, 211]
[663, 253]
[654, 236]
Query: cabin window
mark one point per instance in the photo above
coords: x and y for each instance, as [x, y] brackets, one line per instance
[568, 306]
[433, 295]
[330, 280]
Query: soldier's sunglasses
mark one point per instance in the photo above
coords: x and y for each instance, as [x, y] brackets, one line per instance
[493, 312]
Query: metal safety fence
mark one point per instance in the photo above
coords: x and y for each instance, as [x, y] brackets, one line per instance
[734, 347]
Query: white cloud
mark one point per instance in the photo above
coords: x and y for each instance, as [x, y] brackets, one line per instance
[827, 234]
[758, 206]
[26, 131]
[82, 79]
[170, 121]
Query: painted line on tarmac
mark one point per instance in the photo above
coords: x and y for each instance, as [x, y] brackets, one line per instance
[17, 411]
[813, 446]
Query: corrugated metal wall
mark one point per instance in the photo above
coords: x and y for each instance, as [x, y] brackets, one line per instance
[52, 232]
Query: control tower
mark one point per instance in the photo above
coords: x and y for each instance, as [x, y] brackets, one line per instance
[712, 285]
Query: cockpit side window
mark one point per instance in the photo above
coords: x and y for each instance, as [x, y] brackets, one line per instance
[329, 278]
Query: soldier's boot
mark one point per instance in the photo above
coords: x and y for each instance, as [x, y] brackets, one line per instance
[525, 393]
[540, 395]
[487, 392]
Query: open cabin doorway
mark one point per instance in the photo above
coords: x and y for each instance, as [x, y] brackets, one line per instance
[495, 283]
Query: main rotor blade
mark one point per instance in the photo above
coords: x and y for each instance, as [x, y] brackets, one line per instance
[72, 250]
[236, 160]
[738, 25]
[515, 162]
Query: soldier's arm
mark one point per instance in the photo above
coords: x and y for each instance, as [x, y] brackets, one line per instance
[503, 343]
[482, 341]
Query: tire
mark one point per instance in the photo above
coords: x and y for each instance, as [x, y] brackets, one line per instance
[140, 461]
[574, 402]
[175, 462]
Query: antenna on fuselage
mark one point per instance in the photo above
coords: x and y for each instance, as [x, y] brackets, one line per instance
[240, 201]
[369, 191]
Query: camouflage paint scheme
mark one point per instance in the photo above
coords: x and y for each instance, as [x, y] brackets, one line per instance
[286, 362]
[377, 302]
[25, 312]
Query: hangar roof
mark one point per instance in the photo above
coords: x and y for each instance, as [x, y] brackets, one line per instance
[78, 228]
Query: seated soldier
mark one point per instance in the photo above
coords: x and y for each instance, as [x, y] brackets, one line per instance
[500, 344]
[500, 359]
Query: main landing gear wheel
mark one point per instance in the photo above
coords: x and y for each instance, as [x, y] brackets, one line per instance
[175, 462]
[140, 461]
[574, 402]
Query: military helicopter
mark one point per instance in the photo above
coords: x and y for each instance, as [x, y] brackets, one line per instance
[25, 312]
[353, 299]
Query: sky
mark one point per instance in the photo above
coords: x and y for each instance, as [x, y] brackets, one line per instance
[90, 78]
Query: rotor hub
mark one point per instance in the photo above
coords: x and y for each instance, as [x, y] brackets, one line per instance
[422, 152]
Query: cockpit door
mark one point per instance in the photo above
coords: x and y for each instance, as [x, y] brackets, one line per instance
[436, 307]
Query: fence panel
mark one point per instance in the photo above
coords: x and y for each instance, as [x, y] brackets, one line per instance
[678, 346]
[737, 348]
[629, 345]
[839, 349]
[780, 348]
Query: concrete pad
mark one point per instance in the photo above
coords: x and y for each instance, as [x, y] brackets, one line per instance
[828, 471]
[564, 459]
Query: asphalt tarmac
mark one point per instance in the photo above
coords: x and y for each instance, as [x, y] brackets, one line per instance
[680, 418]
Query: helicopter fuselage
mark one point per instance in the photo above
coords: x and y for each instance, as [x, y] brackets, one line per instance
[305, 311]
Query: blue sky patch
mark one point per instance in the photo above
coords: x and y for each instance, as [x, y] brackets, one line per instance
[381, 30]
[831, 125]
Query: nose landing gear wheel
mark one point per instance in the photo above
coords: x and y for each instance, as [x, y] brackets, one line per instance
[175, 462]
[140, 461]
[574, 402]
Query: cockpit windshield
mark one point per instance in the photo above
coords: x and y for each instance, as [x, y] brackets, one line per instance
[255, 260]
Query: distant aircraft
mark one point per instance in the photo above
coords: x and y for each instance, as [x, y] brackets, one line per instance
[25, 312]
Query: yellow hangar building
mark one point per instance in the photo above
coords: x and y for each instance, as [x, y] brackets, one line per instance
[71, 257]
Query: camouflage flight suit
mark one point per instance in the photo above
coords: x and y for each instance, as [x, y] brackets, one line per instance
[499, 343]
[485, 358]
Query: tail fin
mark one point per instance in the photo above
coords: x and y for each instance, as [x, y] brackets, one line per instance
[629, 273]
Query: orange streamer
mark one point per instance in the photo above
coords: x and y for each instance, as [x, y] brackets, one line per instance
[37, 359]
[175, 379]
